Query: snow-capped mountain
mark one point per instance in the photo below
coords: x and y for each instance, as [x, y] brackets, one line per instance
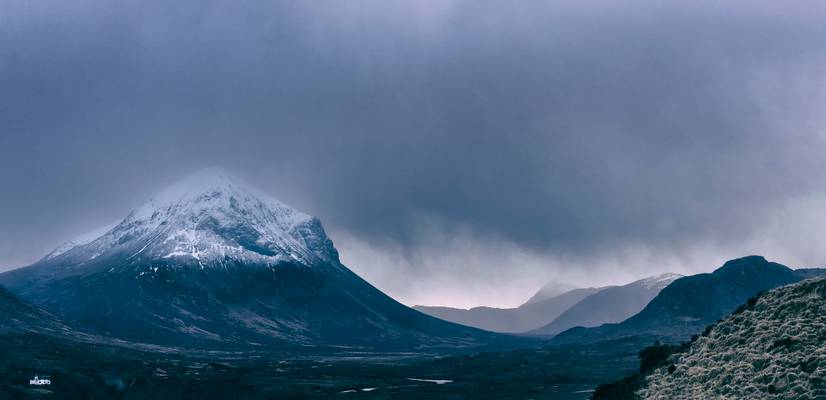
[212, 261]
[209, 218]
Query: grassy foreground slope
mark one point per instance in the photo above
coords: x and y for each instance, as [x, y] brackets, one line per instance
[775, 346]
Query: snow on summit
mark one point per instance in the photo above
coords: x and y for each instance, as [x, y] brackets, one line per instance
[660, 281]
[212, 216]
[215, 187]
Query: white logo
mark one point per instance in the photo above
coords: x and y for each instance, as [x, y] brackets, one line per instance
[40, 381]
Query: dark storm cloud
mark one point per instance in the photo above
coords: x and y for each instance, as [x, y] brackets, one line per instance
[561, 128]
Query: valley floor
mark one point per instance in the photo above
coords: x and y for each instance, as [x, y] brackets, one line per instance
[81, 370]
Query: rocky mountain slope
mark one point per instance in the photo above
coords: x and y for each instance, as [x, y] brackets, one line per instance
[771, 348]
[211, 261]
[610, 305]
[528, 316]
[18, 316]
[691, 303]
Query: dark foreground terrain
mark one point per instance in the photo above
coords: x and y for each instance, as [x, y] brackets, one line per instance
[80, 370]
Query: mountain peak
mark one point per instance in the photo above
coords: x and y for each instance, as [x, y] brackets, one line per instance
[744, 261]
[750, 265]
[550, 290]
[212, 216]
[208, 188]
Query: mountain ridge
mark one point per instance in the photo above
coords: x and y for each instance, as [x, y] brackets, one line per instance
[510, 320]
[611, 305]
[19, 316]
[689, 304]
[549, 290]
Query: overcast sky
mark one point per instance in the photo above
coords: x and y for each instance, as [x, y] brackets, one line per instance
[458, 152]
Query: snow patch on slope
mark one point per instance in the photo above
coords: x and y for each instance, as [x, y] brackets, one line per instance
[660, 281]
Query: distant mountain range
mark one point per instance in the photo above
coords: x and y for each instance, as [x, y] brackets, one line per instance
[526, 317]
[689, 304]
[211, 261]
[609, 305]
[549, 316]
